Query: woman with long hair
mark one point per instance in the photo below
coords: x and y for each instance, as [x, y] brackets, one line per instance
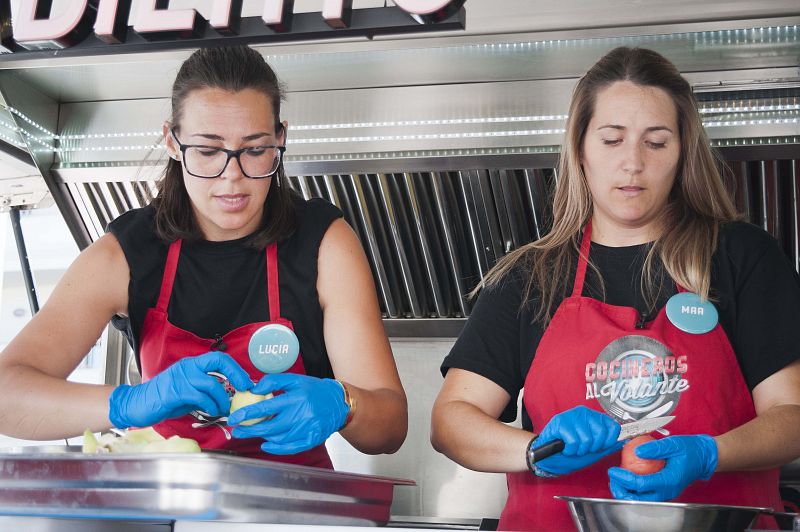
[227, 282]
[648, 298]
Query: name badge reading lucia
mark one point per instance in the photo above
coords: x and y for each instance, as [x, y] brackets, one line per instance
[273, 348]
[689, 313]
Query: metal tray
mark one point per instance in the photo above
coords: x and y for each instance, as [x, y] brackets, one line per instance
[55, 481]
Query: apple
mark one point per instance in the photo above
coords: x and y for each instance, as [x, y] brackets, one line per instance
[634, 464]
[242, 399]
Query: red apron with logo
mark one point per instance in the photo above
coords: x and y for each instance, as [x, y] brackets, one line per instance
[604, 362]
[163, 344]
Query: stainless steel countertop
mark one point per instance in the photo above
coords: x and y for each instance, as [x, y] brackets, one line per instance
[45, 524]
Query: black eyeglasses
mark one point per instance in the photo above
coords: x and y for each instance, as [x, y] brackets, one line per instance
[256, 162]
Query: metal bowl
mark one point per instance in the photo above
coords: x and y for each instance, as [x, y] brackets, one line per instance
[785, 520]
[611, 515]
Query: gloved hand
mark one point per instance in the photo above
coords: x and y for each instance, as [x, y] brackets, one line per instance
[689, 458]
[179, 389]
[305, 414]
[588, 436]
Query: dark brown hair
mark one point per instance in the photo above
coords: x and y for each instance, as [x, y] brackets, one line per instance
[234, 69]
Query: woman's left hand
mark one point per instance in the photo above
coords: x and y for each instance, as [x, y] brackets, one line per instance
[306, 412]
[688, 458]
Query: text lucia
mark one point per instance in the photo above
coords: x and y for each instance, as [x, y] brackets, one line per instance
[273, 349]
[628, 380]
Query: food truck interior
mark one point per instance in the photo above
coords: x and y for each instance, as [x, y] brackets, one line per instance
[439, 147]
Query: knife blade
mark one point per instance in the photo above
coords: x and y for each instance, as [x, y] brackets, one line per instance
[627, 431]
[643, 426]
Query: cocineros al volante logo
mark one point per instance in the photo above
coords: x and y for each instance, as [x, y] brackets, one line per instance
[636, 377]
[109, 26]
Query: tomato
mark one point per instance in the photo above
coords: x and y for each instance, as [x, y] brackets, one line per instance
[640, 466]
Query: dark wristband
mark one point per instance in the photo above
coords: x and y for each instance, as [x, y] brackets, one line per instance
[529, 455]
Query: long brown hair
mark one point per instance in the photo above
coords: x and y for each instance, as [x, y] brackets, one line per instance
[233, 69]
[698, 202]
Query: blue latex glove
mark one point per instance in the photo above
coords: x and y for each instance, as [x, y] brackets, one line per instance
[588, 436]
[179, 389]
[305, 414]
[689, 458]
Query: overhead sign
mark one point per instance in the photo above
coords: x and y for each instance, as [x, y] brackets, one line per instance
[91, 27]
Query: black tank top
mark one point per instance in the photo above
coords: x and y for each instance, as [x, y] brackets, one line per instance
[220, 286]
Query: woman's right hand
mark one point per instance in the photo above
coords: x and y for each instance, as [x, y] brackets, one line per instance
[181, 388]
[588, 436]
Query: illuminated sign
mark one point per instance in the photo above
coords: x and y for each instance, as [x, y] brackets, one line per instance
[87, 27]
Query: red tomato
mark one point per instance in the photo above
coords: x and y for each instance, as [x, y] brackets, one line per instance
[640, 466]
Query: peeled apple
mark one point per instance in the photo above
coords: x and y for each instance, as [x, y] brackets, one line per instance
[243, 399]
[89, 442]
[634, 464]
[145, 440]
[145, 435]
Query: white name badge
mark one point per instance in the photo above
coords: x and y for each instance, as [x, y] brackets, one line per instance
[273, 348]
[688, 313]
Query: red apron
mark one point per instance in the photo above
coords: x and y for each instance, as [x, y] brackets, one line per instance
[603, 361]
[163, 344]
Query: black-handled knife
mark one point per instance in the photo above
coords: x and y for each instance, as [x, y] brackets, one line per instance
[628, 430]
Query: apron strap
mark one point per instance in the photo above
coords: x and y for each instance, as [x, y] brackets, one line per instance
[273, 289]
[583, 260]
[169, 275]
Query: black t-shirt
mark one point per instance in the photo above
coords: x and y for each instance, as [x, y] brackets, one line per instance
[753, 285]
[220, 286]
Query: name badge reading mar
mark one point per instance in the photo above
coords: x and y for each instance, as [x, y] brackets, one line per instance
[273, 348]
[688, 313]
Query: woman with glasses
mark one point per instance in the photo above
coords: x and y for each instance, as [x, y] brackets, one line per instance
[227, 282]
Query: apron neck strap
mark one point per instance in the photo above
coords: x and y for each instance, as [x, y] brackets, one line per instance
[171, 266]
[169, 275]
[273, 289]
[583, 260]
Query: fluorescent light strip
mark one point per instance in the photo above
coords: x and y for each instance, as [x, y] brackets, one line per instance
[104, 148]
[110, 135]
[402, 123]
[50, 134]
[22, 130]
[749, 109]
[457, 152]
[13, 142]
[761, 141]
[460, 121]
[379, 138]
[758, 35]
[764, 122]
[331, 140]
[34, 138]
[444, 122]
[433, 136]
